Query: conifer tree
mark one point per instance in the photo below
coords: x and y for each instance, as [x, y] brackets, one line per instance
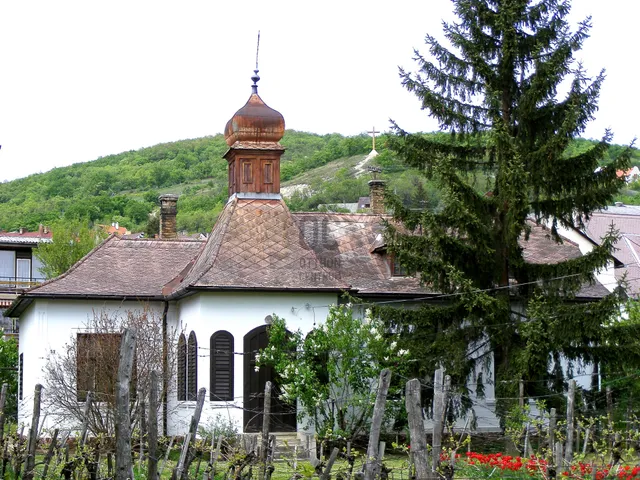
[512, 97]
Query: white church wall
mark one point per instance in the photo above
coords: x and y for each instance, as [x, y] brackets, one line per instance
[238, 313]
[47, 328]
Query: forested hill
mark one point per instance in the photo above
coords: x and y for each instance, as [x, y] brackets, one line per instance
[125, 187]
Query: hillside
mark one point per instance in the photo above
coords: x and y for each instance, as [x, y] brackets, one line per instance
[316, 169]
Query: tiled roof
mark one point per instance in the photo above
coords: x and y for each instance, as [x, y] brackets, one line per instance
[255, 244]
[30, 238]
[118, 267]
[625, 219]
[343, 244]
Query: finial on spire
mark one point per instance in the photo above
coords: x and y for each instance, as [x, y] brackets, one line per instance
[255, 78]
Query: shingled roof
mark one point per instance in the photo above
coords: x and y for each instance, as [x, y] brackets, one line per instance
[258, 244]
[122, 268]
[255, 244]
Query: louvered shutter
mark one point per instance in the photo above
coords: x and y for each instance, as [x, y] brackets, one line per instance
[221, 385]
[182, 368]
[192, 367]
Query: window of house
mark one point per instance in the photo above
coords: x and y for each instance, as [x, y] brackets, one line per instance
[247, 174]
[221, 356]
[97, 359]
[7, 267]
[23, 270]
[268, 172]
[187, 367]
[397, 270]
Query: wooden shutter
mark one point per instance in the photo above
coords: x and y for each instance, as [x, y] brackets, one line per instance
[221, 349]
[182, 368]
[192, 367]
[21, 378]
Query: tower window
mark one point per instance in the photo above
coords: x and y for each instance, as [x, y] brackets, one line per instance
[268, 172]
[247, 174]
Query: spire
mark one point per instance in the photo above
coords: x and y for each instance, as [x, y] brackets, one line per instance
[256, 78]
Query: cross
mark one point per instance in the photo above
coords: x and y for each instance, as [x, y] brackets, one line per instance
[373, 132]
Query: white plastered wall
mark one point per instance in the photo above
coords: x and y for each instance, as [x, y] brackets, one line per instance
[238, 313]
[46, 328]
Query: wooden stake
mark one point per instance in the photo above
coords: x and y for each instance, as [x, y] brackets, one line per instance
[266, 417]
[30, 462]
[568, 455]
[3, 401]
[186, 456]
[372, 466]
[124, 466]
[85, 419]
[49, 455]
[416, 428]
[326, 474]
[152, 466]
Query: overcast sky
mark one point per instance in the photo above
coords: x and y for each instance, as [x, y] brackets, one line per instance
[85, 79]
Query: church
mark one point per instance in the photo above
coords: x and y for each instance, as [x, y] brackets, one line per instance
[219, 294]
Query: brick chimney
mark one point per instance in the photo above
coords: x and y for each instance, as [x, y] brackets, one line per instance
[168, 210]
[376, 193]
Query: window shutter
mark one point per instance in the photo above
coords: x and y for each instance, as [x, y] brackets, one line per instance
[182, 368]
[221, 349]
[192, 367]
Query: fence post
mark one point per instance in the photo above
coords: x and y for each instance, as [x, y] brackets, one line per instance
[124, 465]
[266, 417]
[30, 463]
[568, 455]
[182, 469]
[372, 467]
[85, 418]
[152, 465]
[416, 428]
[436, 442]
[49, 454]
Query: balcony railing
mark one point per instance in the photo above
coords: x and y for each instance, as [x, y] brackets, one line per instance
[18, 283]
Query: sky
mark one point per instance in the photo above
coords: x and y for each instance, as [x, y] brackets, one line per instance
[81, 80]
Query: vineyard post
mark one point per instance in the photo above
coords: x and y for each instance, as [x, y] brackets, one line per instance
[416, 428]
[568, 455]
[30, 462]
[266, 417]
[372, 466]
[186, 457]
[85, 418]
[49, 454]
[124, 466]
[152, 465]
[438, 407]
[552, 430]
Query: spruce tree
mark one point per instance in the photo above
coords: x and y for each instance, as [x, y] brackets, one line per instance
[511, 97]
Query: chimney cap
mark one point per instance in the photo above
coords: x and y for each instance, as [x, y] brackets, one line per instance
[168, 197]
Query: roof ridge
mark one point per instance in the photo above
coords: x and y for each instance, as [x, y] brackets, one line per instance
[223, 227]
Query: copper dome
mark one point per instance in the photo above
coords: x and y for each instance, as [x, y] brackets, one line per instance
[255, 123]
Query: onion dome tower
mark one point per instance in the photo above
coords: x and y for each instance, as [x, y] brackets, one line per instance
[253, 135]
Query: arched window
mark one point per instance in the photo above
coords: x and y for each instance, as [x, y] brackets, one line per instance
[192, 367]
[182, 368]
[221, 349]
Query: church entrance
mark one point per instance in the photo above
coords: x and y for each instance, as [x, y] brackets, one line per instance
[283, 415]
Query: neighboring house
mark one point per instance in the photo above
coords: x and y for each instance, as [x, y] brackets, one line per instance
[631, 175]
[19, 268]
[625, 219]
[258, 260]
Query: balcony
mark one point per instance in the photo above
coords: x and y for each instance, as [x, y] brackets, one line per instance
[18, 284]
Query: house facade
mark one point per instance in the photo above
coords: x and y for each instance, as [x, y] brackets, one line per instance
[19, 268]
[219, 294]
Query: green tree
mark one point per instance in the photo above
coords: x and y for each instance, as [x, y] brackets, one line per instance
[501, 160]
[71, 241]
[9, 373]
[332, 370]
